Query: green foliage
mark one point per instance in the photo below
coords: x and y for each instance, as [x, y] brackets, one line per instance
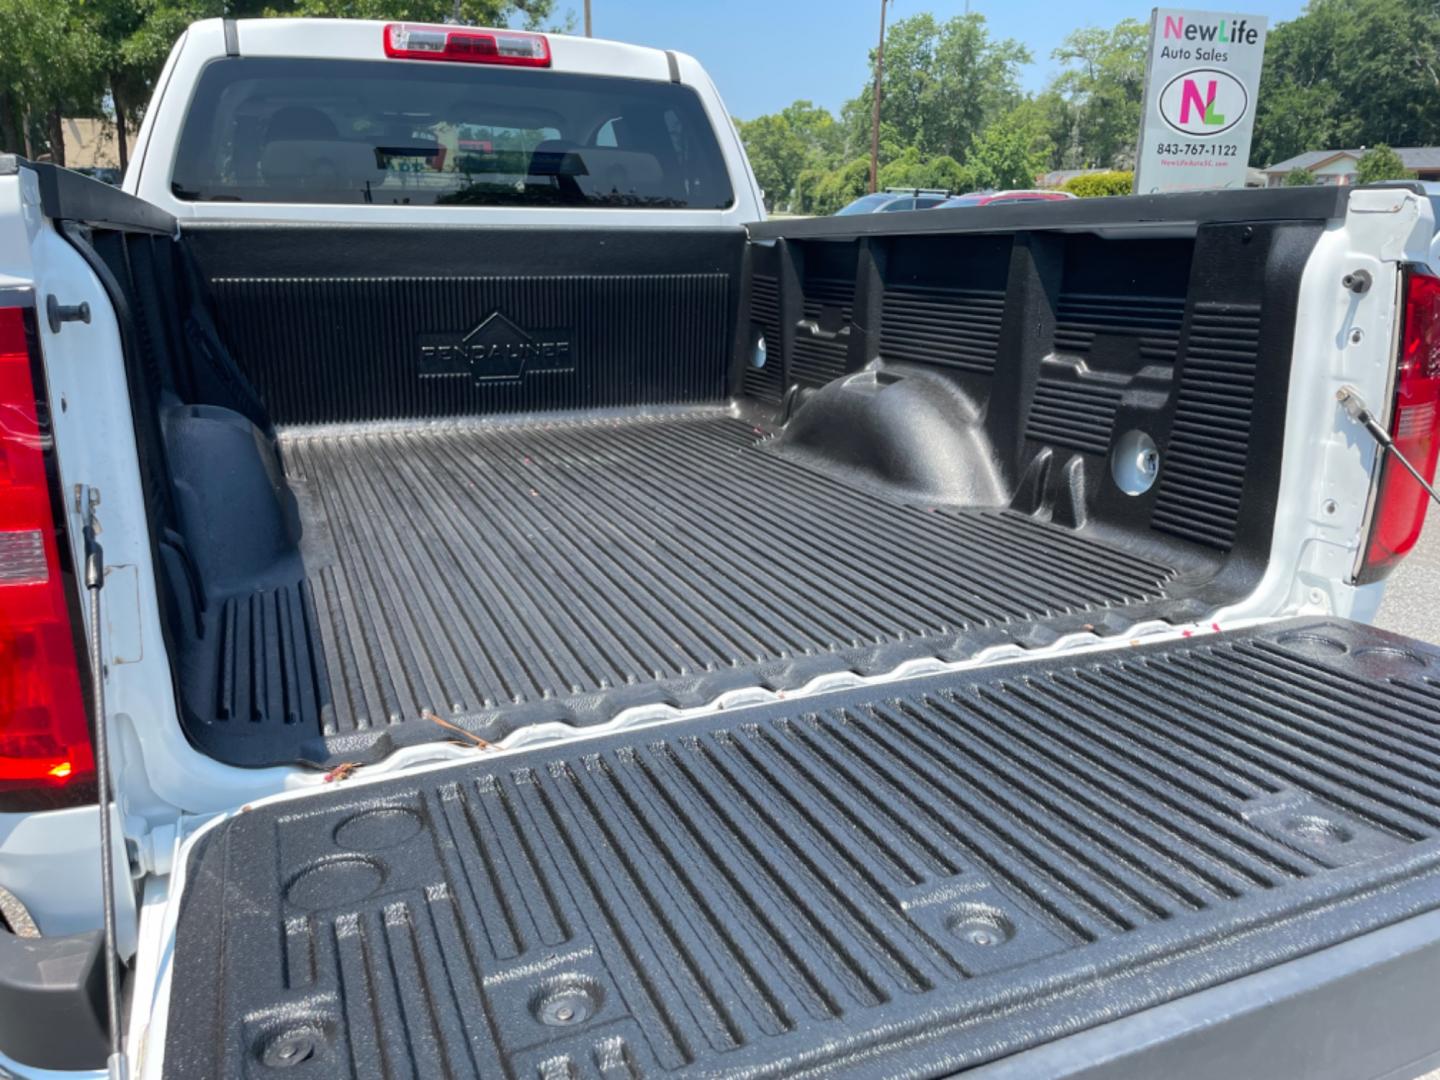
[1010, 153]
[1344, 73]
[89, 57]
[824, 139]
[1350, 73]
[1093, 111]
[776, 153]
[805, 197]
[783, 145]
[1299, 178]
[824, 192]
[1099, 184]
[49, 56]
[910, 170]
[1381, 163]
[943, 83]
[904, 170]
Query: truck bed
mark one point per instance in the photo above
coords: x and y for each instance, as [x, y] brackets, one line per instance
[744, 465]
[904, 880]
[568, 569]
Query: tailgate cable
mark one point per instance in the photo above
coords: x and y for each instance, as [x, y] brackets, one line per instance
[1355, 407]
[117, 1066]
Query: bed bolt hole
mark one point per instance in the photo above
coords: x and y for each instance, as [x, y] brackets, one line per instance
[1330, 506]
[980, 925]
[567, 1001]
[1356, 336]
[1319, 830]
[290, 1049]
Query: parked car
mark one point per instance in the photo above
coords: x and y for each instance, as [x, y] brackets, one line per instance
[985, 198]
[892, 200]
[540, 623]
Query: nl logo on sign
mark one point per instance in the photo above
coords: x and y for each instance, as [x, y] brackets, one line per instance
[1204, 102]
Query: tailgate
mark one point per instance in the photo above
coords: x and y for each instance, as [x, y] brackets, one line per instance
[910, 878]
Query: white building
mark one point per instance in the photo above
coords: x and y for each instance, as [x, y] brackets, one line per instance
[1338, 166]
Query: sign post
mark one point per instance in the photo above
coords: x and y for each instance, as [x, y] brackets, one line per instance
[1202, 76]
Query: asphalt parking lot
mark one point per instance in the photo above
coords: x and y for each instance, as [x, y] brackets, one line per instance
[1412, 600]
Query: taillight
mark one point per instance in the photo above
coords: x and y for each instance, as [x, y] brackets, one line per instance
[466, 45]
[1399, 510]
[45, 754]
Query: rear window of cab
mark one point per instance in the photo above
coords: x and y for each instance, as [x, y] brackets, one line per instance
[387, 132]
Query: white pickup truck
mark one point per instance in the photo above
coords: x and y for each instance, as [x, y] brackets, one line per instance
[541, 620]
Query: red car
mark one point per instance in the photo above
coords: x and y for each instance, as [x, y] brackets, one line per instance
[984, 198]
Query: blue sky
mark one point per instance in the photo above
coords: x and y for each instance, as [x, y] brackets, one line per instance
[764, 54]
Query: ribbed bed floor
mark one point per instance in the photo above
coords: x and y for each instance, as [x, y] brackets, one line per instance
[567, 570]
[514, 564]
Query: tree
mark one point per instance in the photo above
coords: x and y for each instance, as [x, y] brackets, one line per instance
[1381, 163]
[1059, 119]
[805, 199]
[777, 155]
[911, 170]
[89, 57]
[1347, 73]
[821, 192]
[1100, 94]
[943, 83]
[1010, 153]
[782, 145]
[1299, 178]
[823, 136]
[49, 55]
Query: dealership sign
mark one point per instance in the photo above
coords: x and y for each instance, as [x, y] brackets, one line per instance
[1201, 78]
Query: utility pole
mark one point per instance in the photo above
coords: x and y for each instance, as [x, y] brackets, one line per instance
[875, 115]
[587, 19]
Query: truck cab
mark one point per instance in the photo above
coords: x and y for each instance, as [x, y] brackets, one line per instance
[329, 120]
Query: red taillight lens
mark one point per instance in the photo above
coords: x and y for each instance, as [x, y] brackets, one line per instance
[408, 41]
[1400, 509]
[44, 735]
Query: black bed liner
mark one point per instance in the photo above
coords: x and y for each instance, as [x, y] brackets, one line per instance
[503, 574]
[923, 466]
[895, 880]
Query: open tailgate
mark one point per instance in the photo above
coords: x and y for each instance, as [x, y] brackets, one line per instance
[910, 878]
